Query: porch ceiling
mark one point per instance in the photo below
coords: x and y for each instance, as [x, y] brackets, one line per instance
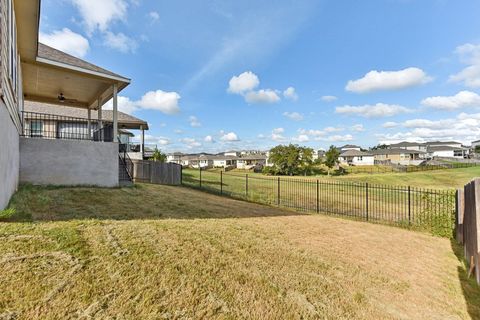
[43, 83]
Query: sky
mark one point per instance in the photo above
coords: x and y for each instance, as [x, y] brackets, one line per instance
[216, 75]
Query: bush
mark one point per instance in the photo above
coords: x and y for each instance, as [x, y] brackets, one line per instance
[6, 214]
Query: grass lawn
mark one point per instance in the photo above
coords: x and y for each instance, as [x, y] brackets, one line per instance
[159, 252]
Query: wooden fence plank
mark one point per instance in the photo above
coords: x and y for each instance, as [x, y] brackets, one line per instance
[471, 226]
[157, 172]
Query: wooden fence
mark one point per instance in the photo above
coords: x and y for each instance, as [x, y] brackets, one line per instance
[467, 227]
[157, 172]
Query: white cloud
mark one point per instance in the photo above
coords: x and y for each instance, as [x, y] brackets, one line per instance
[332, 129]
[468, 54]
[242, 83]
[328, 98]
[154, 15]
[67, 41]
[301, 138]
[373, 111]
[460, 100]
[178, 131]
[290, 93]
[208, 139]
[120, 42]
[99, 14]
[262, 96]
[358, 127]
[390, 124]
[149, 139]
[338, 138]
[465, 128]
[166, 102]
[124, 105]
[278, 130]
[388, 80]
[294, 116]
[194, 121]
[190, 142]
[231, 136]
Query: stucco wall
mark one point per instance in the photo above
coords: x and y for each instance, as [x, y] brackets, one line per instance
[68, 162]
[9, 157]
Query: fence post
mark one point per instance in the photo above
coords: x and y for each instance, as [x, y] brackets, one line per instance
[366, 199]
[200, 168]
[459, 214]
[318, 208]
[409, 206]
[246, 186]
[221, 182]
[278, 192]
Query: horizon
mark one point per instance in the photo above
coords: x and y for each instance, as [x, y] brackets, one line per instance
[226, 75]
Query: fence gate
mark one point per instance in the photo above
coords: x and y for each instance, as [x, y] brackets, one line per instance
[157, 172]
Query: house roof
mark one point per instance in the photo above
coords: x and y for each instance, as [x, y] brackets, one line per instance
[406, 144]
[442, 143]
[354, 153]
[395, 151]
[46, 52]
[125, 120]
[349, 146]
[444, 148]
[126, 132]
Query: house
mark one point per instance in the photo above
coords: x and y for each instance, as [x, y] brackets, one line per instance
[474, 146]
[175, 157]
[350, 147]
[356, 158]
[251, 161]
[402, 156]
[447, 152]
[201, 161]
[414, 146]
[31, 71]
[224, 161]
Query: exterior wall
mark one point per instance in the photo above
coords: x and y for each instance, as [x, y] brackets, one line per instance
[364, 161]
[68, 162]
[441, 154]
[9, 157]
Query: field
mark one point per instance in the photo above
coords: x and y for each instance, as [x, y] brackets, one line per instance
[163, 252]
[436, 179]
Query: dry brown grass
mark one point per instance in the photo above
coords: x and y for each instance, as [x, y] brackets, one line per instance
[172, 253]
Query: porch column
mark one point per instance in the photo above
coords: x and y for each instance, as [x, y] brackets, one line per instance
[115, 113]
[89, 123]
[142, 142]
[99, 107]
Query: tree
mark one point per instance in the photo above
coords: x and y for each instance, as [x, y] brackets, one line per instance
[291, 160]
[158, 156]
[331, 158]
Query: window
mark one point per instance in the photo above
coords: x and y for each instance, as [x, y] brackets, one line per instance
[12, 47]
[36, 128]
[360, 158]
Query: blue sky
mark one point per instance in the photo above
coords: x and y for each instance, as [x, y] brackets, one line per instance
[216, 75]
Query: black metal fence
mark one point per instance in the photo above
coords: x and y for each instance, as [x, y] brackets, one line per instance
[410, 207]
[389, 168]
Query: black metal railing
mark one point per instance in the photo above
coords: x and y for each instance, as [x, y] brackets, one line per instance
[410, 207]
[49, 126]
[126, 163]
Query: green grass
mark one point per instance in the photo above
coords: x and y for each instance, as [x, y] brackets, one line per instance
[161, 252]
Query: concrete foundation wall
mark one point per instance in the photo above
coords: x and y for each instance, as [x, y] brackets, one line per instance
[9, 157]
[68, 162]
